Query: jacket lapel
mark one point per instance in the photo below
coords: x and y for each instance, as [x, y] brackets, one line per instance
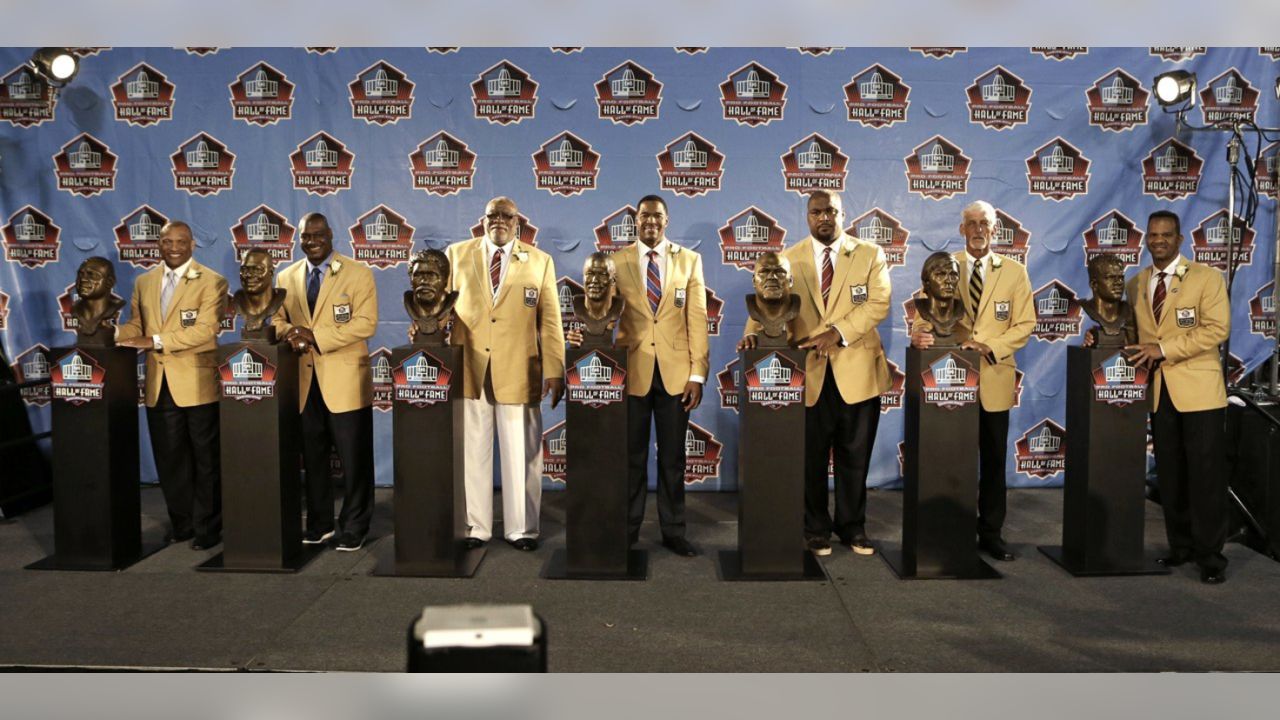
[845, 256]
[513, 267]
[962, 261]
[326, 286]
[673, 277]
[989, 283]
[1175, 284]
[640, 268]
[809, 274]
[1144, 297]
[178, 291]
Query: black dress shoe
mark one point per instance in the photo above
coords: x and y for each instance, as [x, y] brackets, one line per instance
[1209, 576]
[204, 542]
[996, 549]
[350, 542]
[1172, 561]
[525, 544]
[473, 543]
[171, 537]
[680, 546]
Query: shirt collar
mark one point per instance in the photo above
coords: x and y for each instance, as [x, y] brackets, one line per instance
[975, 262]
[1170, 269]
[661, 247]
[819, 247]
[323, 267]
[490, 247]
[182, 270]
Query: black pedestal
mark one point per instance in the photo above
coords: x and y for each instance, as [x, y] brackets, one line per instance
[261, 443]
[1103, 509]
[940, 462]
[430, 510]
[770, 471]
[596, 542]
[97, 515]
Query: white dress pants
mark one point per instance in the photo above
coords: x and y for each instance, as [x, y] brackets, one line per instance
[519, 431]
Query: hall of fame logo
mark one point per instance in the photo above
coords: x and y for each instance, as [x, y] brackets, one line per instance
[998, 99]
[1116, 381]
[1213, 239]
[1228, 99]
[1176, 54]
[1264, 175]
[381, 238]
[261, 95]
[727, 381]
[617, 231]
[774, 381]
[381, 94]
[32, 365]
[247, 376]
[1113, 234]
[1171, 171]
[66, 301]
[748, 235]
[442, 165]
[4, 310]
[690, 166]
[702, 454]
[1262, 311]
[891, 399]
[595, 380]
[555, 453]
[909, 313]
[203, 166]
[318, 50]
[715, 313]
[77, 378]
[1058, 312]
[142, 96]
[566, 290]
[85, 166]
[138, 237]
[1009, 238]
[504, 94]
[814, 163]
[26, 100]
[885, 230]
[228, 322]
[1117, 102]
[628, 94]
[30, 238]
[322, 165]
[938, 53]
[527, 232]
[1042, 450]
[753, 95]
[1059, 53]
[420, 380]
[876, 97]
[950, 382]
[937, 169]
[263, 227]
[1058, 171]
[380, 370]
[566, 165]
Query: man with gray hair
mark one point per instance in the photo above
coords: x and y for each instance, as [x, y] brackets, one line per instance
[996, 293]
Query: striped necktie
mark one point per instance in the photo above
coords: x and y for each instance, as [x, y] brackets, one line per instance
[828, 274]
[975, 287]
[166, 292]
[1157, 298]
[495, 270]
[653, 285]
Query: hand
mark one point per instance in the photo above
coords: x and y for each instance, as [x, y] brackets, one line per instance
[573, 337]
[692, 396]
[1145, 354]
[305, 335]
[555, 386]
[921, 340]
[822, 342]
[982, 348]
[1090, 338]
[142, 342]
[747, 343]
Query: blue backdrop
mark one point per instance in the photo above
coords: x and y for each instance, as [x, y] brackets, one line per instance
[402, 147]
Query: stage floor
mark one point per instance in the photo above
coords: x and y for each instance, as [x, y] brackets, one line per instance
[334, 615]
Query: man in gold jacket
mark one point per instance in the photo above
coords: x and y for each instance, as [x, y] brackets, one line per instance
[997, 296]
[330, 311]
[507, 320]
[174, 315]
[1183, 316]
[844, 290]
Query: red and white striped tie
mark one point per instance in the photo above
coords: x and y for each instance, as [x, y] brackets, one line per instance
[495, 270]
[828, 274]
[1157, 298]
[653, 285]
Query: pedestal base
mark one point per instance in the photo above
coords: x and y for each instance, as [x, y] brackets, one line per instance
[465, 563]
[557, 568]
[977, 570]
[1079, 569]
[53, 563]
[218, 563]
[729, 568]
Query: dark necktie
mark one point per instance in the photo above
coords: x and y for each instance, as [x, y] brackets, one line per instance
[828, 274]
[313, 289]
[653, 285]
[1157, 298]
[975, 287]
[495, 270]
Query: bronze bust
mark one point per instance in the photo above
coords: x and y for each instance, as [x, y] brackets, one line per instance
[773, 305]
[600, 306]
[256, 301]
[1116, 323]
[941, 305]
[95, 308]
[428, 303]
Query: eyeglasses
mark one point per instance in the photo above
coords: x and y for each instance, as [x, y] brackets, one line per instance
[496, 216]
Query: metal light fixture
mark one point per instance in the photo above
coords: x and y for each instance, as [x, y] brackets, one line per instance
[58, 66]
[1175, 87]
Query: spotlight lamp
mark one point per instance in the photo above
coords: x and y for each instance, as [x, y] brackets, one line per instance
[1176, 87]
[58, 66]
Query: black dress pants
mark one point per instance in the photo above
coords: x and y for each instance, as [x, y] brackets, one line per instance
[846, 434]
[1190, 449]
[184, 441]
[993, 447]
[351, 434]
[672, 422]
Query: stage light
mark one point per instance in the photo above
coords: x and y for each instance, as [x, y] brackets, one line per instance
[1175, 87]
[58, 66]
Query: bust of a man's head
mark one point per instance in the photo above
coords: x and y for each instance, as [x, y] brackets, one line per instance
[1106, 278]
[256, 272]
[940, 276]
[599, 279]
[95, 308]
[429, 277]
[772, 278]
[95, 278]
